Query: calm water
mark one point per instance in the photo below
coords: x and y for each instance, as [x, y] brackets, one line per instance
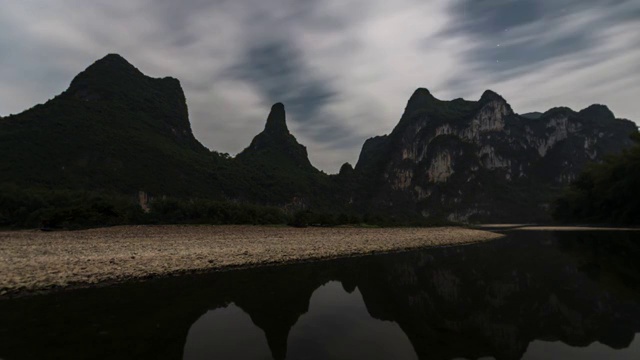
[529, 296]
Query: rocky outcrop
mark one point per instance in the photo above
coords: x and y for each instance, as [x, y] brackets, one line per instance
[479, 161]
[281, 169]
[276, 145]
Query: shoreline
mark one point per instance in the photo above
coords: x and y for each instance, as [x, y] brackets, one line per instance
[21, 293]
[535, 227]
[34, 262]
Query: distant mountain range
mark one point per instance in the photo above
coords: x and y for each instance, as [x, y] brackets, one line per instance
[116, 130]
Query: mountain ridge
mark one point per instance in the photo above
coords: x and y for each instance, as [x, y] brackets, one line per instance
[455, 159]
[458, 160]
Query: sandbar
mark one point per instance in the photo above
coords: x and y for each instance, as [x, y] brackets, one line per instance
[36, 261]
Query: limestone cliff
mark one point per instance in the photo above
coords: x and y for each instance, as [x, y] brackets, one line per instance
[480, 161]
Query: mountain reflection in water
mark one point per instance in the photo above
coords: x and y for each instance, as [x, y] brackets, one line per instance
[332, 328]
[531, 295]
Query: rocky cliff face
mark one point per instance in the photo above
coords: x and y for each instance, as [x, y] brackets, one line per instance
[479, 161]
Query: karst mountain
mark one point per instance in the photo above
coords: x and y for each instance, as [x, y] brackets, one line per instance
[116, 130]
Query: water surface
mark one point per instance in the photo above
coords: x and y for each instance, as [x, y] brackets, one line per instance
[531, 295]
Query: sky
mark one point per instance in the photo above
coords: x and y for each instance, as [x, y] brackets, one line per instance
[343, 68]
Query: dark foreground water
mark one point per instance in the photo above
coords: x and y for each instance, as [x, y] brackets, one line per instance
[535, 295]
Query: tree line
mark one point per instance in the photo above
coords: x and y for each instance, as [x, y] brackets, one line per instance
[53, 209]
[605, 192]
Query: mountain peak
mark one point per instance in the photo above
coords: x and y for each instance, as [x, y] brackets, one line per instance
[103, 78]
[112, 79]
[597, 112]
[492, 100]
[276, 145]
[421, 96]
[113, 63]
[422, 92]
[346, 169]
[420, 99]
[114, 58]
[276, 121]
[490, 95]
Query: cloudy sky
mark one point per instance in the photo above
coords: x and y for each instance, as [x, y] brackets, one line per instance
[343, 68]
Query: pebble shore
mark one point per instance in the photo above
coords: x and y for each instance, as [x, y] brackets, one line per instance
[32, 261]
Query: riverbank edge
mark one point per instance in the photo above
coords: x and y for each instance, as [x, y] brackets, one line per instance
[22, 292]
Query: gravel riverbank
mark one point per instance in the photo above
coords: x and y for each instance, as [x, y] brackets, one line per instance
[32, 260]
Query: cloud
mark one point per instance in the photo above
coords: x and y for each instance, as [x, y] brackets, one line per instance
[563, 52]
[277, 70]
[508, 34]
[344, 69]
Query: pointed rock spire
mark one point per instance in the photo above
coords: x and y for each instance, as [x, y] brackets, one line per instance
[276, 122]
[276, 144]
[277, 343]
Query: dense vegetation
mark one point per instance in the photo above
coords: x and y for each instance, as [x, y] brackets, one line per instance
[606, 192]
[48, 208]
[67, 209]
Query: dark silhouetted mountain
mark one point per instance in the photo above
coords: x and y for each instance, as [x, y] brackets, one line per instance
[279, 166]
[346, 170]
[113, 79]
[532, 115]
[117, 130]
[479, 161]
[276, 147]
[113, 129]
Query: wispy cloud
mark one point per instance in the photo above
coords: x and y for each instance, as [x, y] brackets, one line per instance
[564, 52]
[344, 69]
